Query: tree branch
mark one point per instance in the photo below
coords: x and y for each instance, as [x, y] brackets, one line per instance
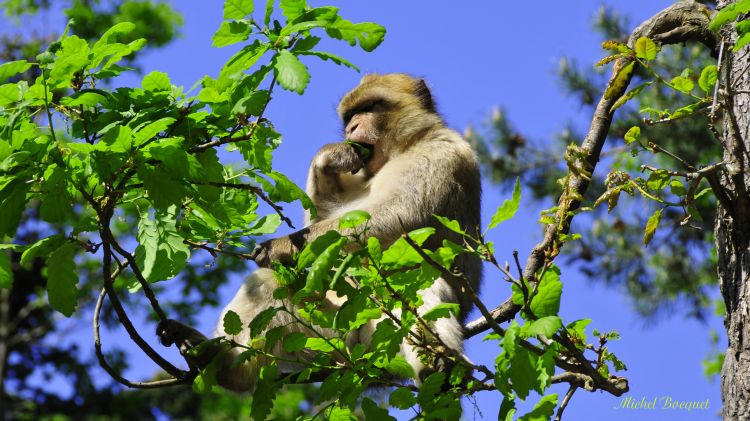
[681, 22]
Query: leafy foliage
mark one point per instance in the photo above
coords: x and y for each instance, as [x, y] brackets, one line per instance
[146, 156]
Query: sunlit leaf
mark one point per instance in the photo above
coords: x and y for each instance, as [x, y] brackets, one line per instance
[237, 9]
[651, 225]
[509, 207]
[645, 49]
[290, 72]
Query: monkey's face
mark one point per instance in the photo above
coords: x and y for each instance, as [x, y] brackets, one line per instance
[362, 125]
[386, 114]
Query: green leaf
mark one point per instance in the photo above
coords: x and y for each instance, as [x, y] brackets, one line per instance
[161, 252]
[546, 302]
[328, 56]
[507, 409]
[677, 188]
[264, 225]
[150, 130]
[546, 326]
[353, 219]
[320, 268]
[41, 248]
[72, 58]
[111, 35]
[742, 41]
[12, 68]
[118, 139]
[265, 392]
[292, 9]
[305, 44]
[729, 14]
[645, 49]
[164, 191]
[9, 94]
[268, 12]
[402, 398]
[441, 311]
[212, 96]
[56, 203]
[252, 104]
[62, 280]
[509, 207]
[369, 34]
[261, 320]
[658, 180]
[651, 224]
[156, 81]
[323, 345]
[399, 367]
[578, 329]
[286, 191]
[239, 63]
[628, 96]
[707, 80]
[632, 134]
[451, 224]
[89, 99]
[12, 204]
[231, 33]
[290, 72]
[682, 84]
[237, 9]
[543, 410]
[311, 251]
[6, 273]
[373, 412]
[232, 323]
[401, 253]
[294, 342]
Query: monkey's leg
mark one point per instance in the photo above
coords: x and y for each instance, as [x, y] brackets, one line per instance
[449, 332]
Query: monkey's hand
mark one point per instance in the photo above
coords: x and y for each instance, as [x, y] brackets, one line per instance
[338, 158]
[278, 249]
[186, 339]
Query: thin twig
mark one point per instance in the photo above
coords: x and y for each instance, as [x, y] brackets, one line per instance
[108, 240]
[215, 250]
[111, 371]
[565, 401]
[458, 280]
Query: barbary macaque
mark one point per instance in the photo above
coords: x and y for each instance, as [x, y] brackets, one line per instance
[402, 165]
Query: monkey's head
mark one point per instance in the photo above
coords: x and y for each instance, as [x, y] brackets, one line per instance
[387, 114]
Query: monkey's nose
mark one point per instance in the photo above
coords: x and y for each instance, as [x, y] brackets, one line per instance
[351, 129]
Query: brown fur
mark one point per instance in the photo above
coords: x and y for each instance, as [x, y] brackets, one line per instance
[418, 168]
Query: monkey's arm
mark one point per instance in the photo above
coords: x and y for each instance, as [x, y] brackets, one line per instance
[439, 178]
[331, 180]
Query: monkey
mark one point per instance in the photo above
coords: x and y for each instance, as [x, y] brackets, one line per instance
[401, 164]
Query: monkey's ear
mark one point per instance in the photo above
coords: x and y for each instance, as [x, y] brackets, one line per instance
[425, 96]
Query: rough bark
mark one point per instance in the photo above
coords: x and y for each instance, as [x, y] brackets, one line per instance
[732, 230]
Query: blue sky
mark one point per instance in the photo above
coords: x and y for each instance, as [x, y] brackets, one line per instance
[474, 55]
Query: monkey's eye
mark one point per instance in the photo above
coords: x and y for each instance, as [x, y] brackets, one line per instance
[365, 107]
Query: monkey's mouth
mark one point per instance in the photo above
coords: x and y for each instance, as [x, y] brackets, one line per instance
[363, 150]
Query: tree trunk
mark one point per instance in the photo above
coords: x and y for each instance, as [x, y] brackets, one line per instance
[732, 231]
